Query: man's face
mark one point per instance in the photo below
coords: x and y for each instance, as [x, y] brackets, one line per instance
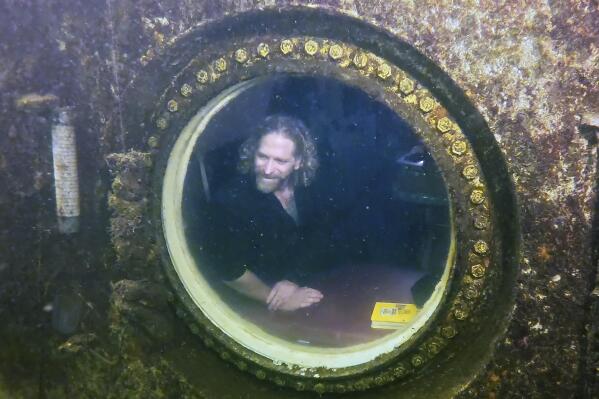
[274, 162]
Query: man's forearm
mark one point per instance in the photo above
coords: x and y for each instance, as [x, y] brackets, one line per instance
[251, 286]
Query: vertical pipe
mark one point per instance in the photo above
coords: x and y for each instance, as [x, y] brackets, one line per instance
[66, 179]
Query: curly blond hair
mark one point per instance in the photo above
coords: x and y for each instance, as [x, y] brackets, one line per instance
[296, 131]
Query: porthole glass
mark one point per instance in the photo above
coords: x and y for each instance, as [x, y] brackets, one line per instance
[308, 221]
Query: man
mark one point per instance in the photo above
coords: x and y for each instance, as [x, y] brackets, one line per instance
[265, 227]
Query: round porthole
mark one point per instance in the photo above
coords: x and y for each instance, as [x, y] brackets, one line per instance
[371, 236]
[324, 213]
[384, 146]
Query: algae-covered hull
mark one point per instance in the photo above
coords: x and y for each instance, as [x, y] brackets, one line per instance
[467, 131]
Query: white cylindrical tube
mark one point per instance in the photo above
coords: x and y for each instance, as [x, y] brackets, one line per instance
[66, 178]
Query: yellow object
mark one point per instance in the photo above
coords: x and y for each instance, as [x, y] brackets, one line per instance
[392, 315]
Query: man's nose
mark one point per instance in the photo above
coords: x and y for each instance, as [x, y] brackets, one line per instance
[268, 167]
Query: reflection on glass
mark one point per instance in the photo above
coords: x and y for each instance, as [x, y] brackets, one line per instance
[308, 203]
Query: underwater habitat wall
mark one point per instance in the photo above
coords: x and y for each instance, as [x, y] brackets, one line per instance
[97, 96]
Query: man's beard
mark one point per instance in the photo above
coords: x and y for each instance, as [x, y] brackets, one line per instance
[268, 185]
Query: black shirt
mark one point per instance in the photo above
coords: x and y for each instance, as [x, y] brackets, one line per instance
[251, 230]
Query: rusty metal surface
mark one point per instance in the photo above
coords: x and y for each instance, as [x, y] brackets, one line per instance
[530, 69]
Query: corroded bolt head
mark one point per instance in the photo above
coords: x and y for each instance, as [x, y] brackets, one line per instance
[444, 124]
[471, 293]
[427, 104]
[241, 365]
[172, 106]
[311, 47]
[406, 86]
[336, 51]
[481, 222]
[241, 55]
[202, 76]
[433, 347]
[448, 332]
[300, 386]
[225, 355]
[477, 271]
[481, 247]
[470, 172]
[263, 50]
[400, 370]
[220, 65]
[360, 60]
[417, 361]
[260, 374]
[286, 46]
[320, 388]
[477, 196]
[384, 71]
[186, 90]
[161, 123]
[153, 141]
[460, 313]
[459, 147]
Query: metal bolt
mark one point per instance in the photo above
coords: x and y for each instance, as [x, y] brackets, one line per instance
[286, 46]
[311, 47]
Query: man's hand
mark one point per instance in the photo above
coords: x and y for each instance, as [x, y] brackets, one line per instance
[301, 298]
[280, 293]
